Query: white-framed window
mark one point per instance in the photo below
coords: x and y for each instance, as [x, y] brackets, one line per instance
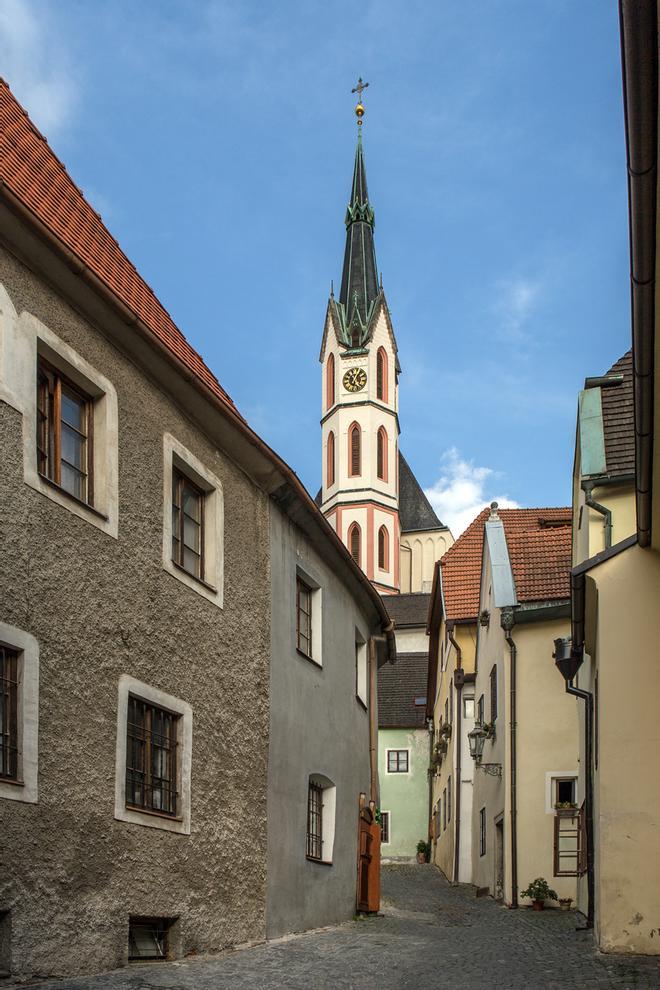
[361, 669]
[398, 761]
[321, 814]
[19, 715]
[70, 418]
[193, 522]
[385, 827]
[153, 759]
[308, 627]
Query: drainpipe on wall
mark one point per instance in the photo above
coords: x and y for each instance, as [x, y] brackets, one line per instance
[458, 683]
[588, 699]
[588, 488]
[507, 622]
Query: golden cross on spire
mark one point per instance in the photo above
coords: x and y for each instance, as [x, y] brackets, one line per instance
[359, 110]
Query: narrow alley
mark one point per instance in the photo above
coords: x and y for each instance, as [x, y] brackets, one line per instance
[430, 935]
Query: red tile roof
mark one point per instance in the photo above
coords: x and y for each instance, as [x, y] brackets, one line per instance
[37, 178]
[548, 546]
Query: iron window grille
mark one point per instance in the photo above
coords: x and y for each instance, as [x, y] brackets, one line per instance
[147, 938]
[64, 433]
[444, 809]
[482, 832]
[187, 525]
[8, 714]
[449, 800]
[397, 761]
[151, 758]
[315, 821]
[303, 617]
[493, 693]
[384, 827]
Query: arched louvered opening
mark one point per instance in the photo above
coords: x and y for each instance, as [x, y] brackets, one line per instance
[381, 454]
[355, 450]
[383, 549]
[330, 468]
[381, 374]
[330, 382]
[354, 543]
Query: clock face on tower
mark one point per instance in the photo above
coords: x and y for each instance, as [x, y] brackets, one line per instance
[355, 379]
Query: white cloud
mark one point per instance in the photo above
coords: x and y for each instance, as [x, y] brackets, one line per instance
[516, 299]
[35, 65]
[460, 492]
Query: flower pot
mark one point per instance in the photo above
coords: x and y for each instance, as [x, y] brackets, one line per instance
[421, 857]
[537, 905]
[565, 903]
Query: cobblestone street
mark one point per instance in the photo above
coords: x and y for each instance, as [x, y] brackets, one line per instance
[431, 936]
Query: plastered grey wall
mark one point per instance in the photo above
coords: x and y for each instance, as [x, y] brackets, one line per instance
[99, 608]
[317, 726]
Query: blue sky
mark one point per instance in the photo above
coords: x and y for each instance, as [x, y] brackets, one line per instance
[217, 138]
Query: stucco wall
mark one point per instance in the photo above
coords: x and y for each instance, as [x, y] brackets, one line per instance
[405, 796]
[101, 607]
[317, 727]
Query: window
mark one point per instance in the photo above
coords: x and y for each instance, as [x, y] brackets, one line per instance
[321, 805]
[64, 433]
[446, 711]
[19, 715]
[482, 832]
[330, 382]
[381, 374]
[153, 757]
[420, 701]
[8, 713]
[493, 693]
[449, 800]
[384, 827]
[383, 549]
[303, 617]
[193, 522]
[187, 525]
[151, 735]
[444, 809]
[451, 702]
[480, 710]
[149, 938]
[397, 761]
[354, 541]
[468, 707]
[355, 450]
[564, 790]
[381, 454]
[330, 468]
[361, 670]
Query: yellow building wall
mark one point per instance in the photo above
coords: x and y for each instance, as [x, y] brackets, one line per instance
[589, 538]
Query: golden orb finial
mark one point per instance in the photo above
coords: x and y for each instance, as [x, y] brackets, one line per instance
[359, 110]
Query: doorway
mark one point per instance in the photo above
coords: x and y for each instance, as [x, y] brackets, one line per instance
[498, 885]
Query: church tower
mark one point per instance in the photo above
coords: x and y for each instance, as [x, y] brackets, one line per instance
[360, 426]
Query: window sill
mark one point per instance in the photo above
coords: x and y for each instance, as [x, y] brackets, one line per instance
[319, 862]
[74, 498]
[306, 656]
[13, 781]
[154, 814]
[204, 584]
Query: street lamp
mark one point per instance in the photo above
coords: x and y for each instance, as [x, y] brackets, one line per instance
[476, 740]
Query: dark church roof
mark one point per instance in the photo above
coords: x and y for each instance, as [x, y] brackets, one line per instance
[415, 510]
[359, 281]
[399, 684]
[408, 610]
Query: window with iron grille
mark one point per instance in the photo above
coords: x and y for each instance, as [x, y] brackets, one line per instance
[187, 525]
[64, 433]
[315, 821]
[384, 827]
[148, 938]
[303, 617]
[444, 808]
[151, 758]
[493, 693]
[8, 713]
[482, 832]
[397, 761]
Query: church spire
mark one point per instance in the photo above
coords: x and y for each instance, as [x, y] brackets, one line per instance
[359, 282]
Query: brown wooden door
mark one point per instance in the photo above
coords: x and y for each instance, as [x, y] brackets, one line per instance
[368, 893]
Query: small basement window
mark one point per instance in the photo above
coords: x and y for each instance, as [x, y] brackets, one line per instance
[148, 938]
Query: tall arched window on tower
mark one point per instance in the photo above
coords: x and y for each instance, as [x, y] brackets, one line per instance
[383, 549]
[330, 468]
[381, 374]
[355, 450]
[381, 454]
[330, 382]
[354, 541]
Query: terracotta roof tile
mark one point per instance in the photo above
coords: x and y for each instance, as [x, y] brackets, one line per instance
[37, 178]
[541, 563]
[461, 564]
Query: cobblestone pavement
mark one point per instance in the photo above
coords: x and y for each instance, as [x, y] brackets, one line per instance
[430, 936]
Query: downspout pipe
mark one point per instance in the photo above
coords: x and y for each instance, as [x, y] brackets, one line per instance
[458, 684]
[588, 488]
[507, 621]
[387, 637]
[588, 699]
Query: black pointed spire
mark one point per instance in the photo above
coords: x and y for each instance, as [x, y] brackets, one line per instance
[359, 282]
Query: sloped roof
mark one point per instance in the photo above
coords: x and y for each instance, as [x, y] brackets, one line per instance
[415, 511]
[407, 610]
[618, 421]
[461, 564]
[32, 172]
[541, 563]
[398, 686]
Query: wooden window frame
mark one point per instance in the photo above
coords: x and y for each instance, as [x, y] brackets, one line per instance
[383, 549]
[330, 465]
[481, 710]
[314, 822]
[180, 481]
[493, 693]
[303, 590]
[353, 531]
[9, 707]
[561, 827]
[395, 765]
[144, 735]
[354, 451]
[50, 384]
